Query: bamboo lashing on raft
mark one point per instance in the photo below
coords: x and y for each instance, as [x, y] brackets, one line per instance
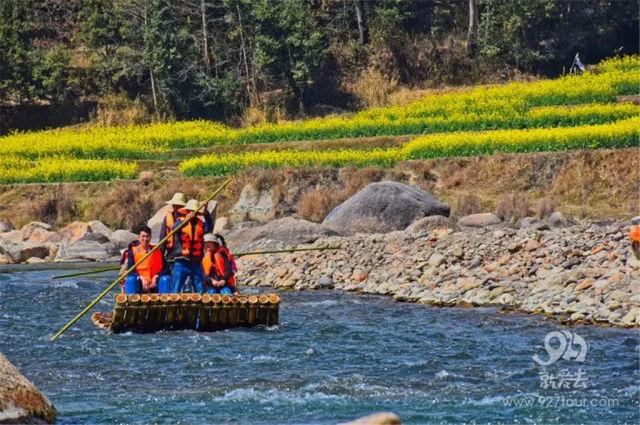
[152, 313]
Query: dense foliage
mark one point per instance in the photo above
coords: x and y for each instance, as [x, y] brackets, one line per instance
[211, 59]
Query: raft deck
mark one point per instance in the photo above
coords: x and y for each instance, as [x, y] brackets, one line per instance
[153, 312]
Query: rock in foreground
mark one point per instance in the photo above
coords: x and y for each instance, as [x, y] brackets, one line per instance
[383, 207]
[20, 400]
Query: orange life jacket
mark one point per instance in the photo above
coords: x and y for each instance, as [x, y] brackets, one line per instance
[170, 221]
[635, 233]
[149, 267]
[192, 238]
[213, 261]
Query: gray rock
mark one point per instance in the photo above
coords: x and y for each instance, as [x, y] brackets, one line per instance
[479, 220]
[155, 222]
[20, 252]
[636, 220]
[122, 238]
[557, 220]
[27, 229]
[96, 226]
[253, 205]
[325, 282]
[288, 231]
[436, 259]
[383, 207]
[527, 222]
[20, 400]
[84, 250]
[5, 226]
[426, 224]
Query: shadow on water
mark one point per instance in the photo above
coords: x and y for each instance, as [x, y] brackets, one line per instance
[334, 357]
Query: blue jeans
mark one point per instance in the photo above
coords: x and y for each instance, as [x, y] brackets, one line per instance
[187, 269]
[225, 290]
[132, 284]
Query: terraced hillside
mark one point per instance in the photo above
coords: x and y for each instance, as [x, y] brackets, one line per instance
[572, 112]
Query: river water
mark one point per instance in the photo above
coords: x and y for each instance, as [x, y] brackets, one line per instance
[334, 357]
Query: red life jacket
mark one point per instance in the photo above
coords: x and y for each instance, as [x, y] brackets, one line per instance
[192, 238]
[149, 267]
[232, 260]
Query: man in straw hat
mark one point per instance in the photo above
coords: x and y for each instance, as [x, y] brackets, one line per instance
[188, 248]
[177, 203]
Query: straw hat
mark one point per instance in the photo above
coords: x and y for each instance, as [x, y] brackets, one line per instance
[178, 199]
[209, 237]
[192, 205]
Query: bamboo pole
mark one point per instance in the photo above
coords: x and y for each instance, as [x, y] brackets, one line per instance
[263, 312]
[238, 255]
[115, 282]
[194, 306]
[154, 311]
[274, 306]
[252, 310]
[172, 309]
[215, 320]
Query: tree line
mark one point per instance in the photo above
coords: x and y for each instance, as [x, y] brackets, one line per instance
[213, 59]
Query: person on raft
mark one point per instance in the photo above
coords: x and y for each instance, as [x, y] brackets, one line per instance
[188, 248]
[634, 235]
[218, 266]
[177, 203]
[149, 276]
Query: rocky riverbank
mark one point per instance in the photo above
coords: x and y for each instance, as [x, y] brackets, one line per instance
[395, 239]
[575, 272]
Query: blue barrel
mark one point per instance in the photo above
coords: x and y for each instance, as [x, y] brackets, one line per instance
[132, 284]
[164, 284]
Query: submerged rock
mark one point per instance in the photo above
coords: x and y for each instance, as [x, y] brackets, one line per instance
[20, 400]
[382, 418]
[383, 207]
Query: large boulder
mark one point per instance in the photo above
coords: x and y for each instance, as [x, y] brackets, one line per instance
[286, 231]
[20, 252]
[383, 207]
[479, 220]
[20, 400]
[96, 226]
[86, 250]
[122, 238]
[27, 229]
[40, 235]
[155, 222]
[254, 205]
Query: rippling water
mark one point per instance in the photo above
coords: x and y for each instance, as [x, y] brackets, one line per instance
[334, 357]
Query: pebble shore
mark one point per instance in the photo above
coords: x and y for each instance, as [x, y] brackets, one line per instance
[584, 273]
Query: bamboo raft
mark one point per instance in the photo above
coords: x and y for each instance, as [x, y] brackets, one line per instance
[153, 312]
